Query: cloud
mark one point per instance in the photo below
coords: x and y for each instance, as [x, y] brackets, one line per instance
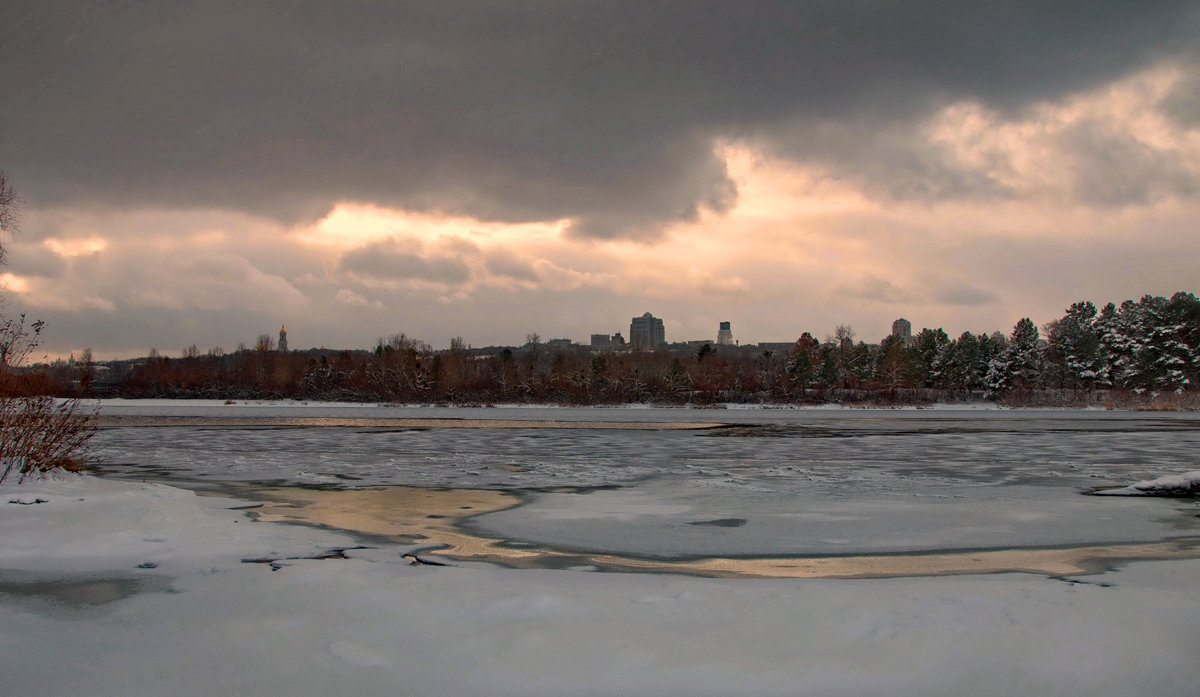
[876, 289]
[349, 297]
[605, 114]
[205, 282]
[1114, 168]
[41, 294]
[554, 277]
[506, 264]
[34, 260]
[392, 259]
[957, 293]
[1183, 102]
[130, 278]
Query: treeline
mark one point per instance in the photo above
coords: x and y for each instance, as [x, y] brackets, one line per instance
[1149, 348]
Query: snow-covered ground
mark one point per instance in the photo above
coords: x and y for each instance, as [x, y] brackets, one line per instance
[128, 584]
[126, 588]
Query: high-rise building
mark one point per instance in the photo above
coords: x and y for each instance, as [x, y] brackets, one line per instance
[283, 338]
[903, 329]
[725, 335]
[647, 331]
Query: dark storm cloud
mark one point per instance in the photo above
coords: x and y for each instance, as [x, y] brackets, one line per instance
[603, 112]
[392, 259]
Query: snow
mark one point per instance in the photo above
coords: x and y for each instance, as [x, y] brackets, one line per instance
[203, 622]
[1186, 484]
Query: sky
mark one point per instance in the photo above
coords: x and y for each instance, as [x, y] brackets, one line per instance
[202, 173]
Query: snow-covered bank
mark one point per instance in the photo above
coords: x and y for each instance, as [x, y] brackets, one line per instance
[203, 622]
[1186, 484]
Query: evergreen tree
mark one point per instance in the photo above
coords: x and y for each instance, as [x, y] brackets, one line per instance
[828, 375]
[1150, 343]
[956, 364]
[1114, 331]
[894, 368]
[1074, 356]
[929, 345]
[1163, 358]
[802, 363]
[990, 348]
[1183, 311]
[1019, 366]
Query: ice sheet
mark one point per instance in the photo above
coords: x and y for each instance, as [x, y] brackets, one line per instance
[804, 481]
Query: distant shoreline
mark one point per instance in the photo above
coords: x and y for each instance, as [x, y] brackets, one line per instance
[1184, 403]
[125, 421]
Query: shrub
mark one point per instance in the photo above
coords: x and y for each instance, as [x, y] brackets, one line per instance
[38, 433]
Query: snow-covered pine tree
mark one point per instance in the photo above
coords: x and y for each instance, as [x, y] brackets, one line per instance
[1074, 351]
[956, 363]
[1163, 358]
[929, 343]
[1019, 366]
[1117, 331]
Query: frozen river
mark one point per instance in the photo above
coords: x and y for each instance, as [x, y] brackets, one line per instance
[656, 483]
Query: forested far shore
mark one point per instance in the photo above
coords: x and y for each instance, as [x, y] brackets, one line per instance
[1141, 353]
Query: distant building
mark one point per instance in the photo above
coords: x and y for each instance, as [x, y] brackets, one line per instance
[283, 338]
[559, 342]
[725, 335]
[606, 341]
[903, 329]
[647, 331]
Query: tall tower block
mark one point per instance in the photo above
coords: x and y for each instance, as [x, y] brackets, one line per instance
[725, 335]
[647, 331]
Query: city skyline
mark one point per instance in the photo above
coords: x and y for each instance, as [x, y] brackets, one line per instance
[200, 175]
[723, 336]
